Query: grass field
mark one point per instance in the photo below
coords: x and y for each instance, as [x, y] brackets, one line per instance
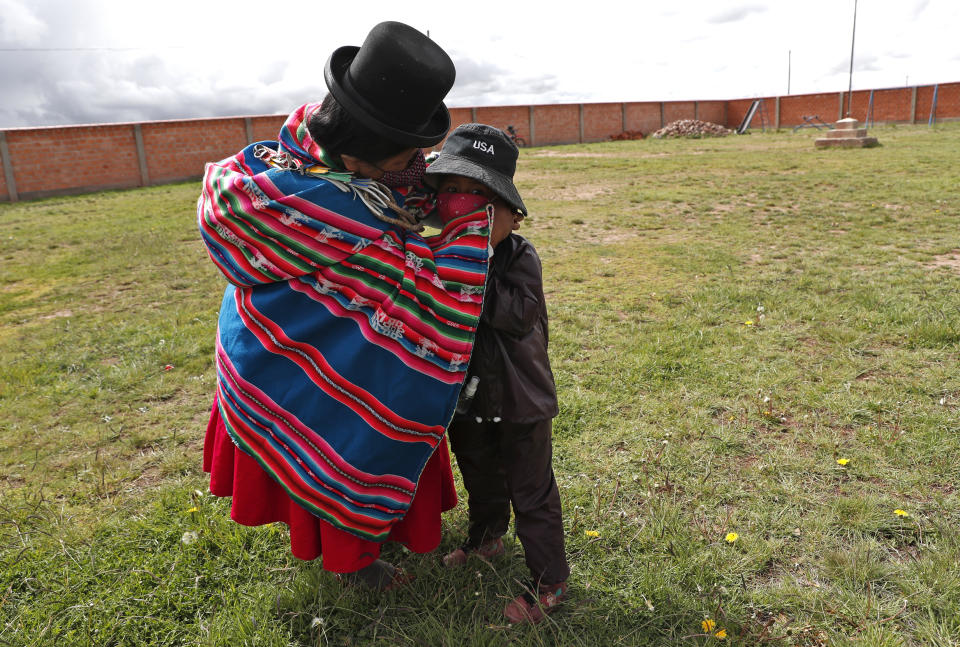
[753, 340]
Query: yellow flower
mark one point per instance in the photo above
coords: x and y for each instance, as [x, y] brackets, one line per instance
[194, 509]
[731, 537]
[591, 533]
[901, 513]
[748, 322]
[842, 461]
[721, 634]
[708, 625]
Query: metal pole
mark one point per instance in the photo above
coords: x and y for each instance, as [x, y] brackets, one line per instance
[852, 40]
[933, 106]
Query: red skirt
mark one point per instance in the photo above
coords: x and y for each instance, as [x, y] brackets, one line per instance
[258, 499]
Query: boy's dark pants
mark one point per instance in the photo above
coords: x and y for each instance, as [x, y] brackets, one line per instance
[504, 463]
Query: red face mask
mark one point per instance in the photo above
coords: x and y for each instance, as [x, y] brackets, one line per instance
[454, 205]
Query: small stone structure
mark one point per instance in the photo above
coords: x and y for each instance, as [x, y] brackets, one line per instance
[846, 134]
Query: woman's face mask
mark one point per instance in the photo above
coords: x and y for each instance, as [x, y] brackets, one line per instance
[411, 175]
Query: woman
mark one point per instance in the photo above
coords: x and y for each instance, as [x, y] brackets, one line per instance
[344, 335]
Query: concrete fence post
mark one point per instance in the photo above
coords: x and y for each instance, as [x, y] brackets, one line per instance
[840, 112]
[141, 155]
[533, 137]
[473, 115]
[661, 114]
[696, 110]
[913, 106]
[776, 113]
[581, 124]
[623, 117]
[8, 167]
[248, 126]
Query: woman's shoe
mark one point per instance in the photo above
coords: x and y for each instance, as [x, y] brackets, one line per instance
[483, 551]
[526, 608]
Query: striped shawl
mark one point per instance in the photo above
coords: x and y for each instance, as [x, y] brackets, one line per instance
[342, 341]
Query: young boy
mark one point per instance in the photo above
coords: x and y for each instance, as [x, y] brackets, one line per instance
[502, 437]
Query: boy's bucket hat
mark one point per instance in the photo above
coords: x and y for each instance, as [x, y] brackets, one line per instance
[394, 84]
[482, 153]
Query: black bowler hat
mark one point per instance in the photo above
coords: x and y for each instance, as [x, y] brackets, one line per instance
[394, 84]
[482, 153]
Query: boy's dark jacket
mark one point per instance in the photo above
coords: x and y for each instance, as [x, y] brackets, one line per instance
[510, 353]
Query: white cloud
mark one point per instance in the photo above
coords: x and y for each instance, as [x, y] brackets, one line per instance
[18, 24]
[132, 61]
[735, 14]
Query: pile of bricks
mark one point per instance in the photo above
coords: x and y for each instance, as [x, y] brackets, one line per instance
[692, 128]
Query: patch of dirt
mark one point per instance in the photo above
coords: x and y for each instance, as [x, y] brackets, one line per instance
[562, 154]
[149, 478]
[611, 236]
[57, 315]
[950, 260]
[945, 488]
[588, 192]
[724, 208]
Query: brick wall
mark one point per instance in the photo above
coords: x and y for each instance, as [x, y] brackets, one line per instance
[178, 150]
[78, 159]
[266, 128]
[676, 110]
[795, 107]
[859, 105]
[736, 110]
[601, 121]
[49, 161]
[645, 117]
[948, 101]
[503, 116]
[557, 124]
[713, 111]
[890, 105]
[460, 116]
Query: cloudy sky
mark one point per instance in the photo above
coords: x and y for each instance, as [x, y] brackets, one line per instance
[96, 61]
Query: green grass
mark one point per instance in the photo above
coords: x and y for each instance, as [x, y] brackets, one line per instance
[679, 422]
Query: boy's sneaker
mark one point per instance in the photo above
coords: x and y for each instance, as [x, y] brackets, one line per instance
[526, 608]
[484, 551]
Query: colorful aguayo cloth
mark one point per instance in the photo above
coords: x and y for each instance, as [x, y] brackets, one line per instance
[343, 340]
